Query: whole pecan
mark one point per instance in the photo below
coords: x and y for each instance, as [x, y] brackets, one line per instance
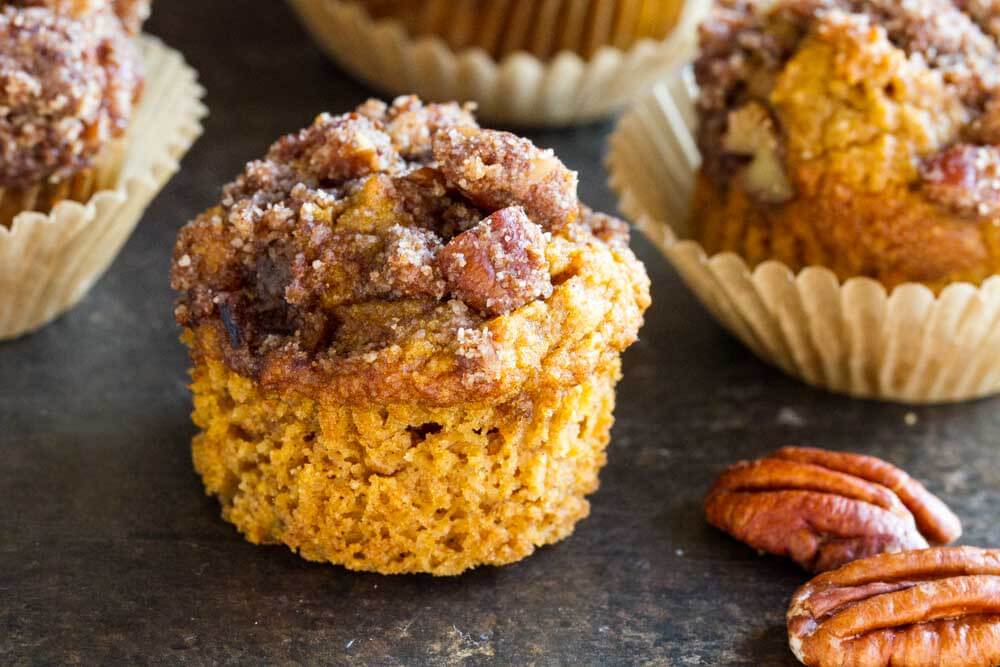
[936, 607]
[824, 509]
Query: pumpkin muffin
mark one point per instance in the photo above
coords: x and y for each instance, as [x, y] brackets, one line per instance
[859, 135]
[69, 78]
[405, 333]
[502, 27]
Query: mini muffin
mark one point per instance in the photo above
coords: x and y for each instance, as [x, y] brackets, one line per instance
[503, 27]
[857, 135]
[68, 84]
[406, 334]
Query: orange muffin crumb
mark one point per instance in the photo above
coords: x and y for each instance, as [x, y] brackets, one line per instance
[406, 334]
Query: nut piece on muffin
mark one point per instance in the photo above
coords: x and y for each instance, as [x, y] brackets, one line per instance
[406, 334]
[68, 83]
[860, 135]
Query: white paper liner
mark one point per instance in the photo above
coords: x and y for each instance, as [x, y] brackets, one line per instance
[520, 89]
[854, 338]
[48, 262]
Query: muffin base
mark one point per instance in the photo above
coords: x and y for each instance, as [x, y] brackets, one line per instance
[401, 488]
[855, 337]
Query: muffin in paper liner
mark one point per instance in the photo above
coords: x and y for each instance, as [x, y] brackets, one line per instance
[396, 367]
[49, 262]
[519, 89]
[538, 27]
[908, 345]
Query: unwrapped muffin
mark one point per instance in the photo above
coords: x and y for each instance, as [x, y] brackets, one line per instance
[503, 27]
[406, 334]
[857, 135]
[69, 78]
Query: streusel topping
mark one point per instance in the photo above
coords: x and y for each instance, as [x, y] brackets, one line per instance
[67, 87]
[393, 227]
[132, 13]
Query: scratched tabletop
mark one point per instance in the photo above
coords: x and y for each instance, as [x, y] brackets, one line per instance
[110, 553]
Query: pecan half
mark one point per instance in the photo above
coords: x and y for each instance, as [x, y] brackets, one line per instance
[936, 607]
[823, 509]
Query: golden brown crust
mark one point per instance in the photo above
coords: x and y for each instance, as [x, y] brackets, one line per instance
[870, 147]
[402, 253]
[824, 509]
[932, 607]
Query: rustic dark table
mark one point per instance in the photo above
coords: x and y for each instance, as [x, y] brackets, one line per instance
[110, 552]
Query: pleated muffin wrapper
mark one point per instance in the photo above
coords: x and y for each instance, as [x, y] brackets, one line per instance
[519, 89]
[48, 262]
[80, 187]
[908, 345]
[539, 27]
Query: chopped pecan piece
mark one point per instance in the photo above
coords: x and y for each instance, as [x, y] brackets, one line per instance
[751, 132]
[411, 124]
[965, 178]
[824, 509]
[498, 169]
[933, 607]
[499, 264]
[338, 148]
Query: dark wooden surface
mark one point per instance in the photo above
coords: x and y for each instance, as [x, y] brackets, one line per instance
[110, 553]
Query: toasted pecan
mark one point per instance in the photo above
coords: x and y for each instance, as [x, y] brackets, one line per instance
[824, 509]
[937, 607]
[498, 169]
[498, 265]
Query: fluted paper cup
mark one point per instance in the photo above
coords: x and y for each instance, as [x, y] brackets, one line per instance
[909, 345]
[49, 261]
[519, 89]
[538, 27]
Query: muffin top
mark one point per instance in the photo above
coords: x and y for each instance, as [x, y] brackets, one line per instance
[403, 252]
[67, 87]
[849, 99]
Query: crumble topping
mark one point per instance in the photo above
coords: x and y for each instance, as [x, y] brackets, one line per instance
[67, 87]
[402, 226]
[132, 13]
